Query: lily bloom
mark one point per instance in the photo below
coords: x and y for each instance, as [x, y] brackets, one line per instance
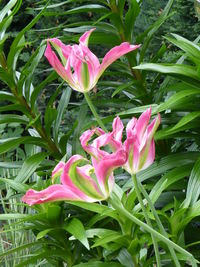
[88, 182]
[79, 67]
[139, 144]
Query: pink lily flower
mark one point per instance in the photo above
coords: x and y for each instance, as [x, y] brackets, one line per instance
[139, 144]
[79, 67]
[89, 183]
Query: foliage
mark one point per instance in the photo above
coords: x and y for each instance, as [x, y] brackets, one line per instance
[49, 119]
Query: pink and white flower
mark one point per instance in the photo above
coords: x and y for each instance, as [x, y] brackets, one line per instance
[139, 144]
[79, 67]
[88, 182]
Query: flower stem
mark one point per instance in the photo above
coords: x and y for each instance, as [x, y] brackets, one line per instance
[158, 221]
[147, 219]
[92, 108]
[116, 203]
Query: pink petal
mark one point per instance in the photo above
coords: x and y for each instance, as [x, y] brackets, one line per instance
[131, 146]
[65, 49]
[117, 129]
[58, 169]
[115, 53]
[85, 138]
[142, 124]
[150, 156]
[58, 67]
[130, 127]
[104, 168]
[85, 37]
[55, 192]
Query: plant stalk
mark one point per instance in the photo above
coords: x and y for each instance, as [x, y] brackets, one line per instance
[155, 244]
[120, 208]
[93, 110]
[158, 221]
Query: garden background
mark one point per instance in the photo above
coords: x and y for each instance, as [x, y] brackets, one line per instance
[42, 119]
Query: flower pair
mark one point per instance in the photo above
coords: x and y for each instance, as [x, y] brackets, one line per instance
[79, 67]
[82, 180]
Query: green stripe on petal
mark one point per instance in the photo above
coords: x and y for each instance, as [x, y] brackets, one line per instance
[85, 76]
[83, 180]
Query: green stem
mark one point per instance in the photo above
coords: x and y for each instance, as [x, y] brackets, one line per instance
[147, 219]
[92, 108]
[158, 221]
[120, 208]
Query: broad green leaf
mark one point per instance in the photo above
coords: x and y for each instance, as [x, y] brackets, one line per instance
[76, 228]
[80, 9]
[140, 110]
[90, 206]
[8, 118]
[12, 216]
[165, 164]
[193, 189]
[11, 165]
[29, 166]
[7, 8]
[189, 47]
[43, 233]
[15, 185]
[176, 98]
[14, 47]
[122, 87]
[167, 68]
[11, 143]
[62, 106]
[6, 78]
[169, 178]
[108, 237]
[180, 126]
[7, 96]
[130, 18]
[52, 76]
[25, 82]
[36, 243]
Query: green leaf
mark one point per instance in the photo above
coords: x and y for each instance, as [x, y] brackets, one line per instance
[11, 143]
[165, 164]
[193, 189]
[167, 68]
[38, 88]
[21, 248]
[176, 98]
[149, 33]
[180, 126]
[130, 17]
[26, 76]
[189, 47]
[15, 185]
[12, 216]
[108, 237]
[15, 44]
[76, 228]
[8, 118]
[169, 178]
[7, 8]
[43, 233]
[80, 9]
[29, 166]
[100, 264]
[62, 106]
